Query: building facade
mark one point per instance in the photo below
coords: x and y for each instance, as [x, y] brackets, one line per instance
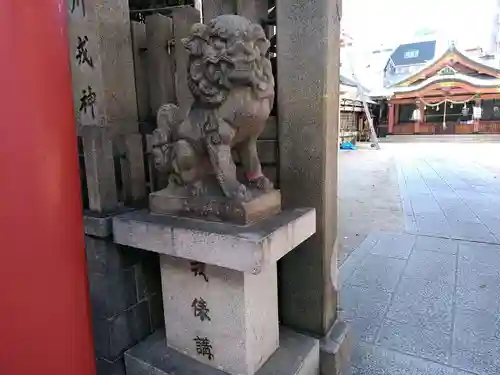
[452, 94]
[408, 59]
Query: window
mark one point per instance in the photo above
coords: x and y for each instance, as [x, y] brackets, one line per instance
[406, 69]
[406, 112]
[491, 110]
[455, 113]
[411, 54]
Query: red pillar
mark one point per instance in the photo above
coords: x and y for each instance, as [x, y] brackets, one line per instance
[390, 126]
[44, 315]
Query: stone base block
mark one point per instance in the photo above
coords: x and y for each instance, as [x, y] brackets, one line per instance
[246, 249]
[100, 224]
[224, 318]
[179, 201]
[335, 350]
[296, 355]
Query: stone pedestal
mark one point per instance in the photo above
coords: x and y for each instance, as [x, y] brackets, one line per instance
[178, 200]
[296, 355]
[227, 319]
[219, 282]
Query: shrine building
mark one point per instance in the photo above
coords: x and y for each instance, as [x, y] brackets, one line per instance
[452, 93]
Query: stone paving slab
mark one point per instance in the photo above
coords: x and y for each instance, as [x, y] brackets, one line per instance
[423, 305]
[427, 301]
[368, 196]
[379, 272]
[441, 245]
[375, 360]
[450, 201]
[359, 302]
[433, 266]
[413, 340]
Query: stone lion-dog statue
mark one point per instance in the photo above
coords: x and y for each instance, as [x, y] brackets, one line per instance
[231, 80]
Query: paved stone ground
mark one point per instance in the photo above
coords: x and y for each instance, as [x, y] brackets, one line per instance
[426, 300]
[368, 196]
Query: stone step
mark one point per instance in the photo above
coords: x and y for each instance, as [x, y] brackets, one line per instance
[297, 355]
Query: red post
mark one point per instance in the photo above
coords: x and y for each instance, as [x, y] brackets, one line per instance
[390, 126]
[45, 323]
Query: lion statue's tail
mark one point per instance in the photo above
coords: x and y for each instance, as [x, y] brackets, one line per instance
[167, 118]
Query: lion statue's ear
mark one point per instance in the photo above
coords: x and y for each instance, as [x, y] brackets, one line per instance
[169, 116]
[257, 33]
[194, 43]
[199, 30]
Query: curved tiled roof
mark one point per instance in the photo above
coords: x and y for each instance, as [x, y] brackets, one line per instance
[451, 49]
[474, 81]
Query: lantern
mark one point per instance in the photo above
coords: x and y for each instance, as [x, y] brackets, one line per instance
[477, 112]
[416, 115]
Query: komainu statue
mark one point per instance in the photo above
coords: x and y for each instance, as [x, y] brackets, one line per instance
[232, 84]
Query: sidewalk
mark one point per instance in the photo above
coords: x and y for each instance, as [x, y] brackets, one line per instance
[422, 305]
[426, 299]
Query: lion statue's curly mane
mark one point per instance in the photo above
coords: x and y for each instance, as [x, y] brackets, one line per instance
[229, 52]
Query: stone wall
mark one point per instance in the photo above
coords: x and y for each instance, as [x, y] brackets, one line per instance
[125, 293]
[116, 170]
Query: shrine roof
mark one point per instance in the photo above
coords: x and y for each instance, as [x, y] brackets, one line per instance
[347, 81]
[458, 77]
[450, 54]
[381, 93]
[351, 94]
[350, 82]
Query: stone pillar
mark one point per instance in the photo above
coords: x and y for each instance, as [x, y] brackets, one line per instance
[105, 101]
[214, 8]
[139, 44]
[183, 20]
[102, 62]
[45, 314]
[308, 91]
[160, 42]
[390, 128]
[254, 10]
[308, 106]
